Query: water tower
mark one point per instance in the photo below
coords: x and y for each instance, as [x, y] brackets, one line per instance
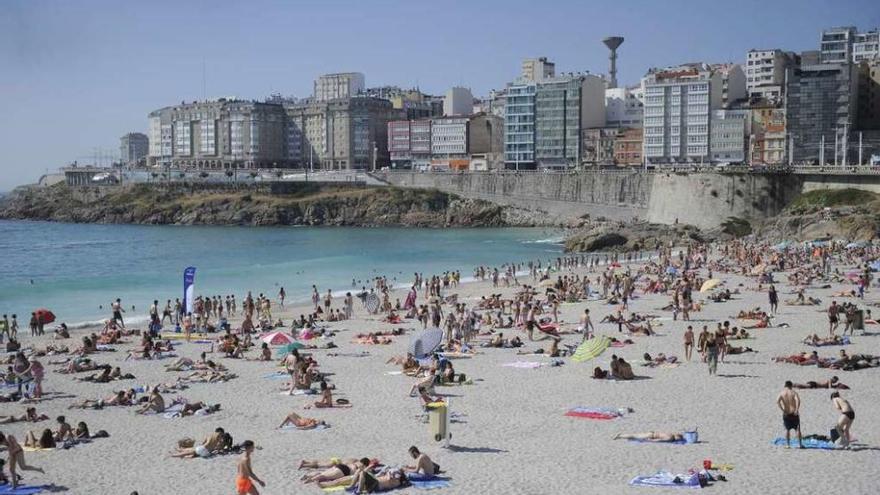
[612, 42]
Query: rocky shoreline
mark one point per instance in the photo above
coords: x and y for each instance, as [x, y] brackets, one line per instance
[312, 205]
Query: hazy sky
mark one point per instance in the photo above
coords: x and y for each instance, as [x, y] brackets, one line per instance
[76, 75]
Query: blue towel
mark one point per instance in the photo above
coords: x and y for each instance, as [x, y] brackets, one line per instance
[809, 443]
[425, 482]
[665, 478]
[6, 489]
[278, 375]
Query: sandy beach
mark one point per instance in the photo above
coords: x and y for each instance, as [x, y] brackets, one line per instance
[512, 435]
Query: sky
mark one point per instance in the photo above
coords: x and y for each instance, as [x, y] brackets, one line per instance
[75, 76]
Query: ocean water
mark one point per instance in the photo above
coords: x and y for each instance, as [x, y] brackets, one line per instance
[76, 270]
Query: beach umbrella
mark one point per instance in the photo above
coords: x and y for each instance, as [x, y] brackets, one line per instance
[44, 315]
[371, 302]
[710, 284]
[590, 349]
[292, 347]
[277, 338]
[426, 342]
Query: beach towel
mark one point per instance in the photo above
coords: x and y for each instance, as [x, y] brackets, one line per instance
[298, 391]
[591, 349]
[426, 482]
[173, 412]
[809, 443]
[523, 364]
[6, 489]
[843, 341]
[603, 413]
[667, 479]
[27, 448]
[676, 442]
[289, 426]
[278, 375]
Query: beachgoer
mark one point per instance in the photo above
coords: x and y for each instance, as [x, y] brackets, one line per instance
[245, 473]
[847, 416]
[789, 403]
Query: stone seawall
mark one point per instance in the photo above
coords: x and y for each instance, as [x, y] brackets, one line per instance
[703, 199]
[561, 197]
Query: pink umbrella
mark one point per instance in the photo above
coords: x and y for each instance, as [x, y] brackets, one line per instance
[277, 338]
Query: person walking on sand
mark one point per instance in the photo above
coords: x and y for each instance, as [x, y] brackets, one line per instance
[245, 473]
[712, 353]
[833, 318]
[116, 307]
[847, 416]
[281, 296]
[587, 325]
[774, 299]
[688, 342]
[789, 403]
[16, 458]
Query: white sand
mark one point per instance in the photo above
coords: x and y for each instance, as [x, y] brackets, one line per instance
[515, 438]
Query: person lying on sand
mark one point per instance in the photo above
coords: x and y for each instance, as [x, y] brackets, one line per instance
[640, 329]
[333, 470]
[732, 349]
[301, 422]
[364, 481]
[834, 382]
[819, 341]
[651, 436]
[660, 359]
[30, 415]
[120, 398]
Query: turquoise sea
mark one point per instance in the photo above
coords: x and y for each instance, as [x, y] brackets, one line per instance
[73, 269]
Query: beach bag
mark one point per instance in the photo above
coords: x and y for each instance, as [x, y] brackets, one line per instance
[834, 435]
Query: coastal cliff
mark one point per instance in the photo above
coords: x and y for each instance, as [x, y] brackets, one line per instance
[307, 204]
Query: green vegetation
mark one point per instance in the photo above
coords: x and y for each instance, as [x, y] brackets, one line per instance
[829, 198]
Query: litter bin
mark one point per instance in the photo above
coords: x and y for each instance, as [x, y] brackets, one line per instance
[859, 320]
[437, 412]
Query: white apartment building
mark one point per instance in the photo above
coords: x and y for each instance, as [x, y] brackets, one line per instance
[338, 86]
[458, 101]
[623, 108]
[449, 137]
[678, 105]
[866, 46]
[765, 73]
[729, 135]
[538, 69]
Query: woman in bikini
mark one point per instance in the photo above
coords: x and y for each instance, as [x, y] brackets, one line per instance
[652, 436]
[334, 470]
[301, 422]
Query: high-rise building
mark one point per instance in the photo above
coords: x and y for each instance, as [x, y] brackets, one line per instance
[869, 95]
[866, 46]
[836, 45]
[679, 102]
[765, 73]
[133, 148]
[820, 104]
[337, 86]
[544, 121]
[623, 108]
[342, 133]
[564, 106]
[729, 138]
[458, 102]
[847, 44]
[449, 143]
[218, 134]
[519, 125]
[538, 69]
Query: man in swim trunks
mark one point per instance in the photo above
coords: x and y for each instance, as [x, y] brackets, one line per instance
[789, 403]
[243, 483]
[424, 464]
[847, 416]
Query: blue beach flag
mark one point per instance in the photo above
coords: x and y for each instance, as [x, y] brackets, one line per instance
[189, 278]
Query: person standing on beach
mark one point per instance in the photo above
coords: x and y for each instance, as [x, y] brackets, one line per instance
[116, 307]
[243, 483]
[712, 353]
[316, 298]
[33, 324]
[281, 296]
[833, 318]
[328, 299]
[774, 299]
[13, 327]
[349, 305]
[789, 403]
[688, 342]
[587, 325]
[847, 416]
